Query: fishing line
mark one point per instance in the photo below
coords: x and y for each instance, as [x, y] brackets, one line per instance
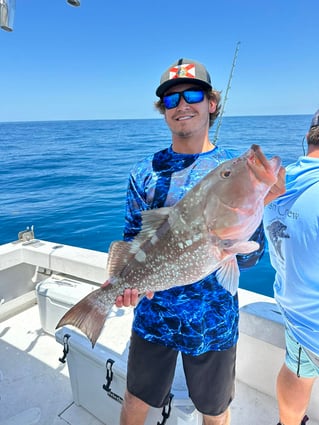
[226, 94]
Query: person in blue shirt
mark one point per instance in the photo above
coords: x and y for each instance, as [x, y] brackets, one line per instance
[199, 320]
[292, 229]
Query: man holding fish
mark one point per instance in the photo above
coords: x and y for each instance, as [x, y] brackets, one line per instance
[193, 219]
[199, 320]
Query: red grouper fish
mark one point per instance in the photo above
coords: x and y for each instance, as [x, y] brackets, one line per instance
[182, 244]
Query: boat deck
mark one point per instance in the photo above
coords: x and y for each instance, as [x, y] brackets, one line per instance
[35, 387]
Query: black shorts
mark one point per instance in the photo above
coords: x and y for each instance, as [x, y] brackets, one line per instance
[210, 377]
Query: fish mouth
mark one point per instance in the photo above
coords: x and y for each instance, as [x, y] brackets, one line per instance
[264, 170]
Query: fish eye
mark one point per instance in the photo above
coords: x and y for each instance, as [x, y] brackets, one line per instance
[227, 243]
[225, 174]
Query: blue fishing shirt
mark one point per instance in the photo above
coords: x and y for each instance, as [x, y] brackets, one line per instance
[292, 229]
[193, 318]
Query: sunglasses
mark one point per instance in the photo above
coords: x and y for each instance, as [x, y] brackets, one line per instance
[190, 96]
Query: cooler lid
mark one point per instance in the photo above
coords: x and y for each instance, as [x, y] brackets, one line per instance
[66, 291]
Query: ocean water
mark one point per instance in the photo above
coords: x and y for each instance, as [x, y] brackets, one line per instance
[68, 178]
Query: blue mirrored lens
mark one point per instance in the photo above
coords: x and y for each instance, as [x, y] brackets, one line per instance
[190, 96]
[171, 100]
[193, 96]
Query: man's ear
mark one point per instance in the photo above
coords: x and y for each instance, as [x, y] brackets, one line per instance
[212, 106]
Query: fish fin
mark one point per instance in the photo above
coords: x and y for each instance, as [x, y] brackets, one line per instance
[121, 252]
[152, 220]
[228, 275]
[245, 247]
[118, 257]
[89, 314]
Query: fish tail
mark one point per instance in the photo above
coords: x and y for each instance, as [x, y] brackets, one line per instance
[89, 314]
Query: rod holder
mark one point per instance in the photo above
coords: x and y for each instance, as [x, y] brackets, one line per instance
[7, 9]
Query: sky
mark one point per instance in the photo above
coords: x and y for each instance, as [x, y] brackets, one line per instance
[104, 59]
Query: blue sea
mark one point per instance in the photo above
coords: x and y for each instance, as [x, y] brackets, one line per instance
[68, 178]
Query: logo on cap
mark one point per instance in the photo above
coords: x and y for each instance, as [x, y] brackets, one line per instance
[182, 71]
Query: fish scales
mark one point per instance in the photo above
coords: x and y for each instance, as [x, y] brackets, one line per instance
[171, 258]
[182, 244]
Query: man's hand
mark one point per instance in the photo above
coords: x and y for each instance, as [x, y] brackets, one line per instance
[279, 188]
[129, 297]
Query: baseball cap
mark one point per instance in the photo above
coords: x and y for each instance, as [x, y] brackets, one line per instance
[315, 120]
[184, 71]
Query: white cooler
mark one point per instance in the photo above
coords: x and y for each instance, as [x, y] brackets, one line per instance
[98, 376]
[56, 295]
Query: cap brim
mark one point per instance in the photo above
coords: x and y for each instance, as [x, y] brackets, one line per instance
[174, 82]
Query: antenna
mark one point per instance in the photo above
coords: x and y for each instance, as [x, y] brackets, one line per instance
[226, 94]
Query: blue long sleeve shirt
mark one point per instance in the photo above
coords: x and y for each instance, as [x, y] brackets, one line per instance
[194, 318]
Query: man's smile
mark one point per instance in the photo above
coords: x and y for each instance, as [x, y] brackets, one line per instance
[184, 117]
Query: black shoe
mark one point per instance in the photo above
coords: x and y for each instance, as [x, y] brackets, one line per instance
[305, 419]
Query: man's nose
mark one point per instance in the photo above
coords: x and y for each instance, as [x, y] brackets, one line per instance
[182, 103]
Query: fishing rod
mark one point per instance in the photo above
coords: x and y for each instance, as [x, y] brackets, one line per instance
[226, 93]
